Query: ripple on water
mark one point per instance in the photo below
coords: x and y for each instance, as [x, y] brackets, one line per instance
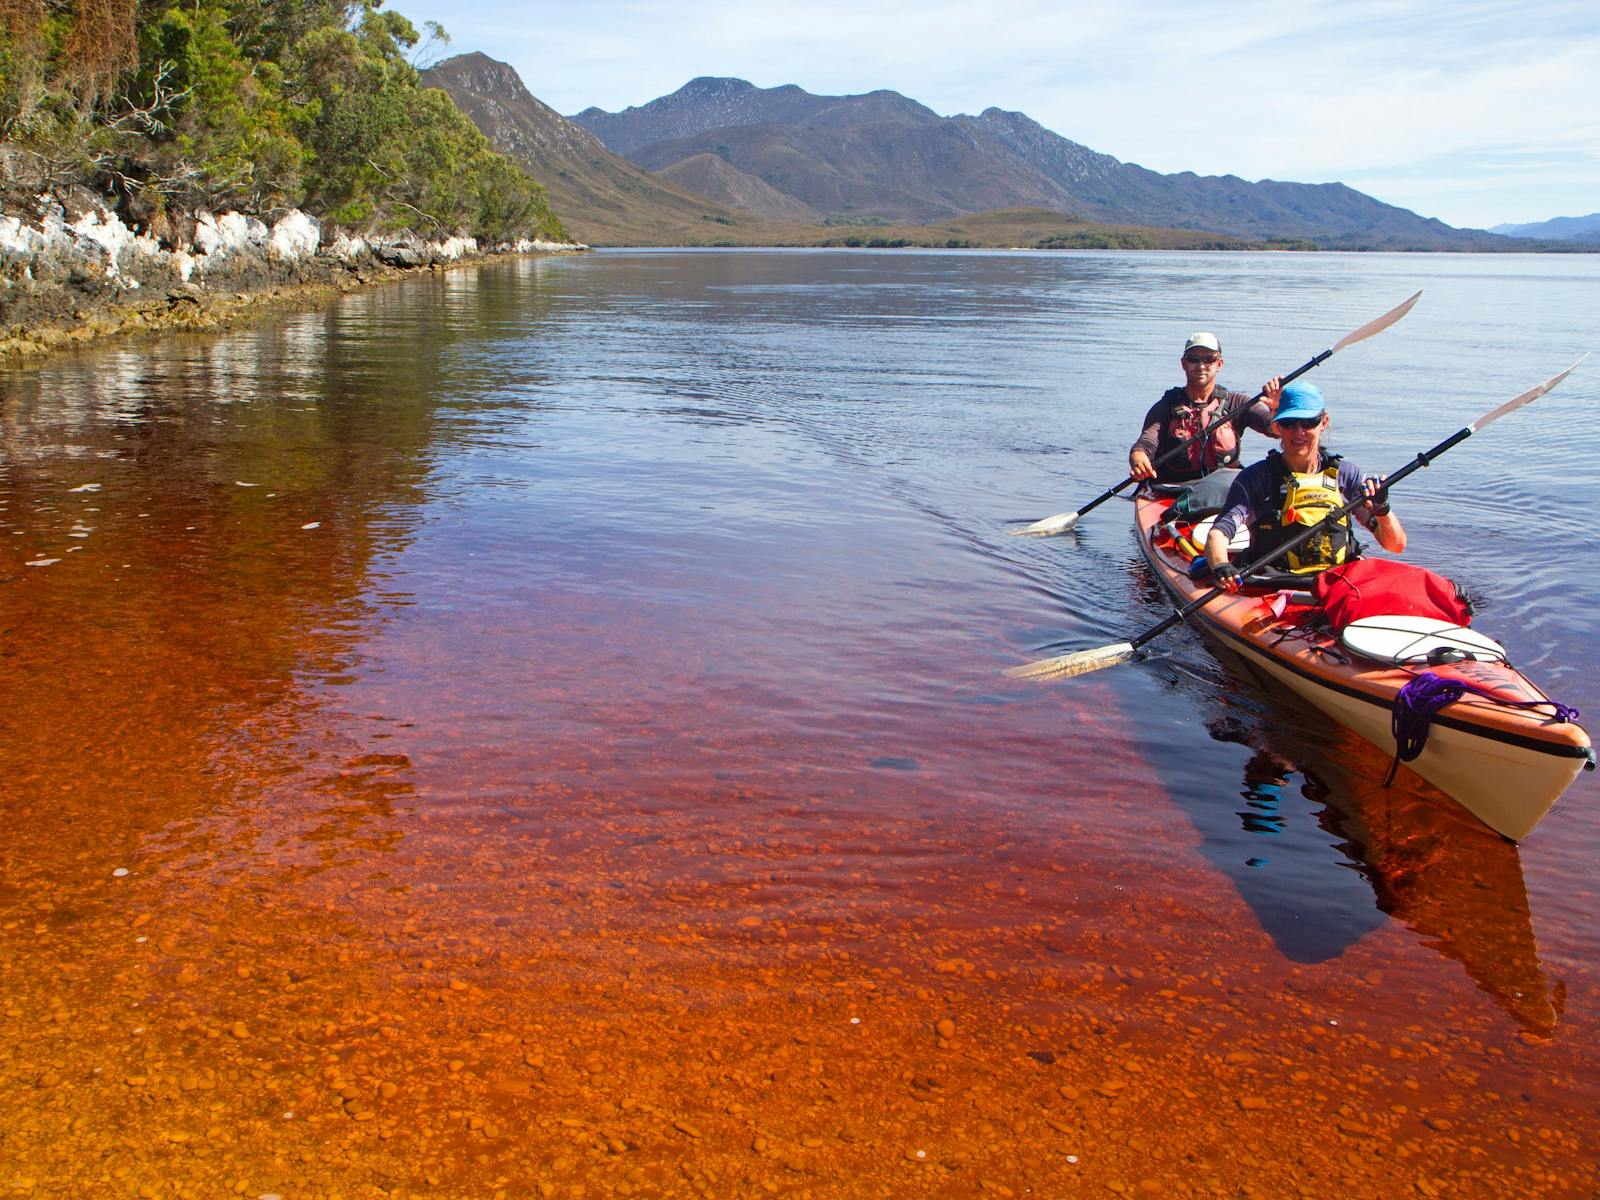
[617, 787]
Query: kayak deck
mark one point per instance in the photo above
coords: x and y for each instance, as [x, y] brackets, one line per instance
[1506, 766]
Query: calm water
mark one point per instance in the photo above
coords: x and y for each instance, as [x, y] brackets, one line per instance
[546, 696]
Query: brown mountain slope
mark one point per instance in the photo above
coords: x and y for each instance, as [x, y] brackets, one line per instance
[881, 155]
[606, 200]
[885, 166]
[713, 177]
[601, 198]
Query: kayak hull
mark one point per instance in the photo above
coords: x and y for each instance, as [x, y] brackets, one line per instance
[1505, 766]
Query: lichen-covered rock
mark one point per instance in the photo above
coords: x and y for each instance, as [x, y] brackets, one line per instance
[230, 234]
[295, 237]
[350, 249]
[457, 247]
[67, 259]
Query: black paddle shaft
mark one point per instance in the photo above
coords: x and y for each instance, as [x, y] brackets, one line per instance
[1172, 451]
[1421, 460]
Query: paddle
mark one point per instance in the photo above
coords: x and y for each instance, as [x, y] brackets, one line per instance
[1062, 523]
[1084, 661]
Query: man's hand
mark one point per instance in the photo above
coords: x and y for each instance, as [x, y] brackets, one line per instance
[1271, 391]
[1139, 465]
[1227, 577]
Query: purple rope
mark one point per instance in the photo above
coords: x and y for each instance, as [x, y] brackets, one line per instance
[1416, 704]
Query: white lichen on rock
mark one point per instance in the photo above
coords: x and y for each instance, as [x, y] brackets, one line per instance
[295, 238]
[56, 266]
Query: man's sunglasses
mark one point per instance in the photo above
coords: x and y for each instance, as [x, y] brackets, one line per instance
[1197, 359]
[1299, 422]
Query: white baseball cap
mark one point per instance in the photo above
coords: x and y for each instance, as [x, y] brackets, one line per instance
[1203, 341]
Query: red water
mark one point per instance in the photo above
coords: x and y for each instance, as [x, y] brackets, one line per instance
[535, 799]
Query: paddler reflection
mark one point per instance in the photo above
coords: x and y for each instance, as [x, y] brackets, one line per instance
[1439, 873]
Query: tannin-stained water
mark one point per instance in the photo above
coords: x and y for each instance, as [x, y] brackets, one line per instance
[540, 730]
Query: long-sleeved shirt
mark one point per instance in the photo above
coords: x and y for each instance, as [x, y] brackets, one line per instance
[1174, 417]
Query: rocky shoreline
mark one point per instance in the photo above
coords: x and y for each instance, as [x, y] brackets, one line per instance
[72, 273]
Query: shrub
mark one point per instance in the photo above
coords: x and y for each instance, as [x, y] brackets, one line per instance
[253, 104]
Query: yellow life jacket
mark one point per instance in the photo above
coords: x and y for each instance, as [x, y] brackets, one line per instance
[1305, 499]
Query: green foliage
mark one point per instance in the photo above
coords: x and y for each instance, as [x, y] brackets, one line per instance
[1098, 240]
[218, 132]
[255, 104]
[858, 241]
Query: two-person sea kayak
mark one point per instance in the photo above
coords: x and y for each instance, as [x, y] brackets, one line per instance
[1505, 765]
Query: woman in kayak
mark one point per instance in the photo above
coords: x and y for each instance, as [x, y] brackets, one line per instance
[1295, 487]
[1182, 412]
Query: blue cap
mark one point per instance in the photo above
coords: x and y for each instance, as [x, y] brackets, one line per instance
[1300, 400]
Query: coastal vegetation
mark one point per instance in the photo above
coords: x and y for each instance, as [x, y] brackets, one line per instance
[161, 109]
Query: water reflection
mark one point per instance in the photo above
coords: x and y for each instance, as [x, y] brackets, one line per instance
[1311, 811]
[194, 544]
[600, 658]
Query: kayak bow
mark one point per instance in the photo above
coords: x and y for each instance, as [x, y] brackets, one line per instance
[1507, 766]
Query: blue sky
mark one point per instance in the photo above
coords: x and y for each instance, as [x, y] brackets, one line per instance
[1474, 112]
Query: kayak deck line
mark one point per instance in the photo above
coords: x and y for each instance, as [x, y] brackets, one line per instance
[1506, 766]
[1444, 719]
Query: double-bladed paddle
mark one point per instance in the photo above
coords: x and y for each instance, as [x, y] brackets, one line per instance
[1051, 526]
[1082, 662]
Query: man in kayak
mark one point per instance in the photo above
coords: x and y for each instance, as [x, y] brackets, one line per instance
[1182, 412]
[1295, 487]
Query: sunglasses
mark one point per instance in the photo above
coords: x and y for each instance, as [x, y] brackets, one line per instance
[1299, 422]
[1197, 359]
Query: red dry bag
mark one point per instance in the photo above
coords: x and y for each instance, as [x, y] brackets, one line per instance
[1380, 587]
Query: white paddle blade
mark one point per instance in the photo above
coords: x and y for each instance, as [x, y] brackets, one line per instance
[1048, 527]
[1378, 326]
[1527, 397]
[1081, 662]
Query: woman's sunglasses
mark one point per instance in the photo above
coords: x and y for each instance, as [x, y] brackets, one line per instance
[1299, 422]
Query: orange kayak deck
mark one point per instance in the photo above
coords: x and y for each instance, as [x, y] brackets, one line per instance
[1507, 766]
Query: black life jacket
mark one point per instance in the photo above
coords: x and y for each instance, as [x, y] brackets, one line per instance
[1302, 500]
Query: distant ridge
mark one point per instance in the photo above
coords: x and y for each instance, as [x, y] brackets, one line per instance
[1559, 229]
[703, 199]
[1109, 190]
[602, 198]
[884, 157]
[733, 164]
[713, 103]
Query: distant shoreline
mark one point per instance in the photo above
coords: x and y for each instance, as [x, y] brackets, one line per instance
[191, 309]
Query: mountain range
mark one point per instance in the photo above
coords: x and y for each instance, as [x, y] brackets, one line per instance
[723, 160]
[604, 199]
[610, 200]
[1562, 229]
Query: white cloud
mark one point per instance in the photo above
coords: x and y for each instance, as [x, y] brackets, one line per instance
[1364, 90]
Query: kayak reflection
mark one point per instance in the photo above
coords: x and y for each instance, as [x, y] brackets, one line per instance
[1309, 786]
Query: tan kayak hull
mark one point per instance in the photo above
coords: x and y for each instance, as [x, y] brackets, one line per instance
[1506, 766]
